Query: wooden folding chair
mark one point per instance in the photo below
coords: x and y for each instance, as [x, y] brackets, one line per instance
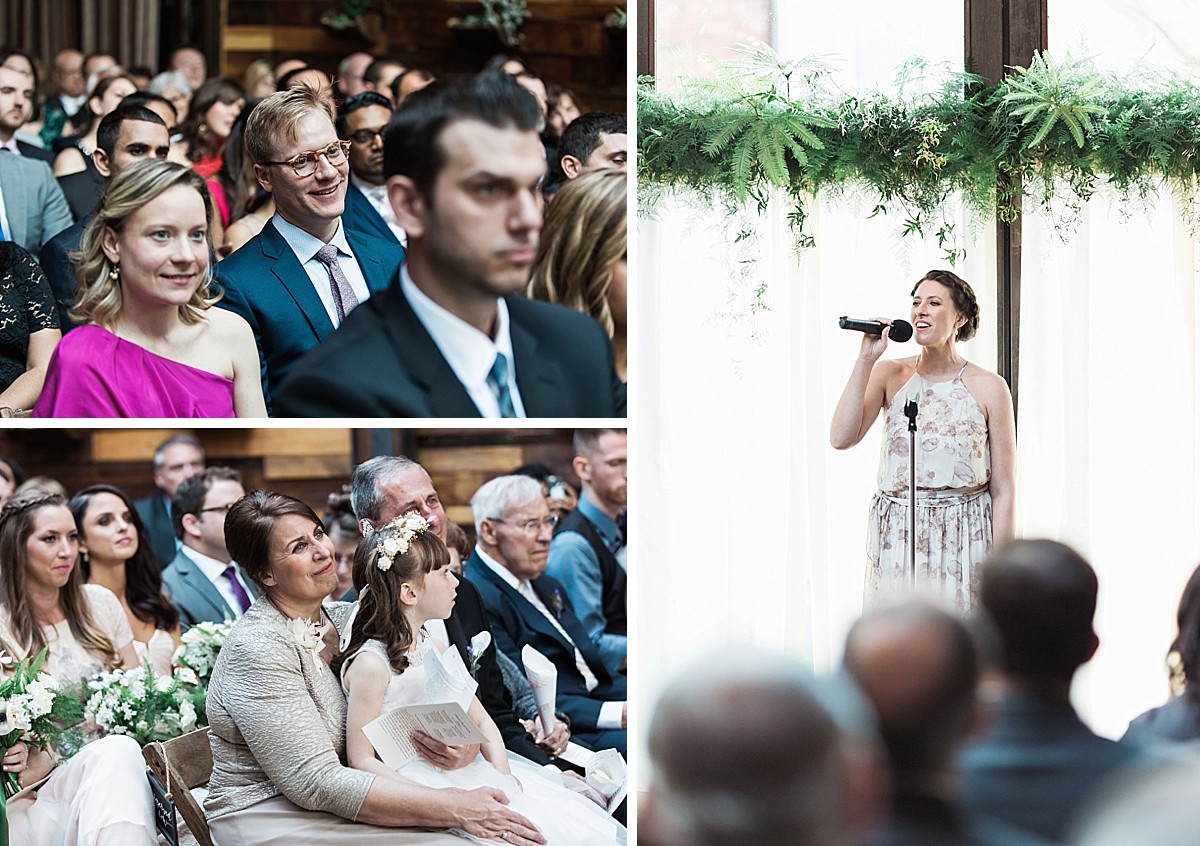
[181, 764]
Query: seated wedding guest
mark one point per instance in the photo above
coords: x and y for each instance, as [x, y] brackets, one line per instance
[918, 667]
[589, 548]
[562, 107]
[174, 86]
[18, 105]
[379, 75]
[454, 336]
[115, 555]
[744, 753]
[300, 277]
[42, 483]
[361, 120]
[100, 797]
[1179, 719]
[213, 109]
[560, 496]
[286, 782]
[457, 545]
[594, 141]
[342, 527]
[1037, 763]
[176, 459]
[152, 346]
[513, 528]
[106, 96]
[28, 327]
[410, 82]
[11, 478]
[404, 580]
[259, 80]
[127, 134]
[33, 205]
[203, 580]
[190, 62]
[581, 255]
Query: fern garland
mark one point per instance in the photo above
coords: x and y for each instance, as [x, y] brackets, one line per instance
[1055, 131]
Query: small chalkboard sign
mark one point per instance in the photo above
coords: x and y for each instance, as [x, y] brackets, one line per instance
[165, 817]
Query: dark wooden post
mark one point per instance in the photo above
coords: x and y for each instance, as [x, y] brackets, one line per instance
[1003, 34]
[645, 37]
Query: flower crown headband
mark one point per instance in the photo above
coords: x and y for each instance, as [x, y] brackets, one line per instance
[403, 530]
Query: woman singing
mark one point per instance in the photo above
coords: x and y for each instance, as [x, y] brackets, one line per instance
[966, 443]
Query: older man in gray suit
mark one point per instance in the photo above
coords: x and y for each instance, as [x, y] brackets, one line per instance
[204, 583]
[34, 208]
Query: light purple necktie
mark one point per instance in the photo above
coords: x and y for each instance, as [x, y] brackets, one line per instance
[239, 592]
[344, 300]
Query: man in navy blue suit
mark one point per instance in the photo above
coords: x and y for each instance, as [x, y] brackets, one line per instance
[362, 120]
[456, 337]
[296, 281]
[513, 528]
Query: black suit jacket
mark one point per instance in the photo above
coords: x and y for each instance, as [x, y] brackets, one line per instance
[60, 270]
[467, 620]
[35, 152]
[515, 622]
[160, 531]
[564, 366]
[83, 190]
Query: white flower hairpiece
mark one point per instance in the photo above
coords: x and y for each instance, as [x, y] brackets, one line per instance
[400, 533]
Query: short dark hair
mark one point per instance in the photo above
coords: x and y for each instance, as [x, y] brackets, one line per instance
[141, 98]
[582, 135]
[189, 496]
[425, 76]
[248, 529]
[413, 145]
[358, 101]
[110, 125]
[176, 440]
[374, 71]
[1041, 596]
[1187, 643]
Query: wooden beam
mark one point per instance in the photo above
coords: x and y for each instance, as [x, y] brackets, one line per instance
[645, 37]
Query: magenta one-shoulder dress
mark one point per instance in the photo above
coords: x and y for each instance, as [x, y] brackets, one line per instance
[93, 373]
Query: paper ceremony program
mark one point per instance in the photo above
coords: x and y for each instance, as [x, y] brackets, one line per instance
[391, 733]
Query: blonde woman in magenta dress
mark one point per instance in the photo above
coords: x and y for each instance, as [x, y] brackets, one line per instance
[966, 446]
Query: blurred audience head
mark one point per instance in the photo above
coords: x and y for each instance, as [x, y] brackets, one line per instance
[409, 82]
[458, 545]
[594, 141]
[191, 63]
[177, 459]
[350, 72]
[379, 75]
[259, 79]
[174, 86]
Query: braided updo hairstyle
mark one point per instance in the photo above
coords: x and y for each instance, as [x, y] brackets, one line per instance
[963, 297]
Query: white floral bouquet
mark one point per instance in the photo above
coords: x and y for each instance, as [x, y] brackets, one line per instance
[145, 706]
[32, 709]
[201, 644]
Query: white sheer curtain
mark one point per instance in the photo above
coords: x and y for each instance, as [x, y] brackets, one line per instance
[753, 529]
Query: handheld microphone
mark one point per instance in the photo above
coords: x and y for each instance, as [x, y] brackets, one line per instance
[901, 329]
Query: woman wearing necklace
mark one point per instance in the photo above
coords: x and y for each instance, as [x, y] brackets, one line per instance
[966, 447]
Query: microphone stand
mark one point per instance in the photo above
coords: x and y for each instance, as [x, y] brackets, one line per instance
[910, 411]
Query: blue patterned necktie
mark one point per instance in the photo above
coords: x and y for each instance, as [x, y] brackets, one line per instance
[497, 380]
[344, 299]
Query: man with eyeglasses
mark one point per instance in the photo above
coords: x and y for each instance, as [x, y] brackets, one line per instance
[361, 120]
[513, 528]
[204, 583]
[296, 281]
[456, 337]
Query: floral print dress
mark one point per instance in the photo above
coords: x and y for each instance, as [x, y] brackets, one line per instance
[954, 505]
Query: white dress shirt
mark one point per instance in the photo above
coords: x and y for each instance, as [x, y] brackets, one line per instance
[469, 352]
[305, 246]
[214, 570]
[610, 712]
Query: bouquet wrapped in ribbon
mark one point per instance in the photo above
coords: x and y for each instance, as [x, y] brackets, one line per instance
[32, 709]
[145, 706]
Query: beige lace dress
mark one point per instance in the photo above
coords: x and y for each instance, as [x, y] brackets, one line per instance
[954, 505]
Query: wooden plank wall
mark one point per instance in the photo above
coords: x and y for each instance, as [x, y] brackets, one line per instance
[566, 41]
[305, 463]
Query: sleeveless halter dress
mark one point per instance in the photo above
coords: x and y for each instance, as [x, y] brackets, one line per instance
[954, 505]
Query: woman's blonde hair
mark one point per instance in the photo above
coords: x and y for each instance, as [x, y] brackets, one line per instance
[582, 240]
[100, 297]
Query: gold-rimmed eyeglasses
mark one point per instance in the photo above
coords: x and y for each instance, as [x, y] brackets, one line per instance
[305, 164]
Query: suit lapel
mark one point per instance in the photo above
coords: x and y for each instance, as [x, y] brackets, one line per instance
[532, 617]
[368, 261]
[15, 188]
[569, 622]
[194, 577]
[292, 275]
[365, 213]
[540, 379]
[423, 361]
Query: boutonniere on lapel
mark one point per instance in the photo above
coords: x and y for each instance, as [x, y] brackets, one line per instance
[557, 605]
[478, 646]
[310, 636]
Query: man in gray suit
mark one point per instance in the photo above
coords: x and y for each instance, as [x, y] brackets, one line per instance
[34, 208]
[203, 582]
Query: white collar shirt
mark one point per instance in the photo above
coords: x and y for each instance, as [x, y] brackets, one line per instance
[305, 246]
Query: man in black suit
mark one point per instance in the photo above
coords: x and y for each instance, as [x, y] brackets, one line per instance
[127, 134]
[361, 120]
[1038, 763]
[453, 337]
[513, 528]
[386, 487]
[176, 460]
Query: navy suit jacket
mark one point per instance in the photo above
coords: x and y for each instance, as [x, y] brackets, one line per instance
[361, 216]
[161, 532]
[60, 270]
[564, 366]
[197, 598]
[265, 283]
[515, 622]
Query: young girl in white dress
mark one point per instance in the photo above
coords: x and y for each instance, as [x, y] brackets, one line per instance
[405, 582]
